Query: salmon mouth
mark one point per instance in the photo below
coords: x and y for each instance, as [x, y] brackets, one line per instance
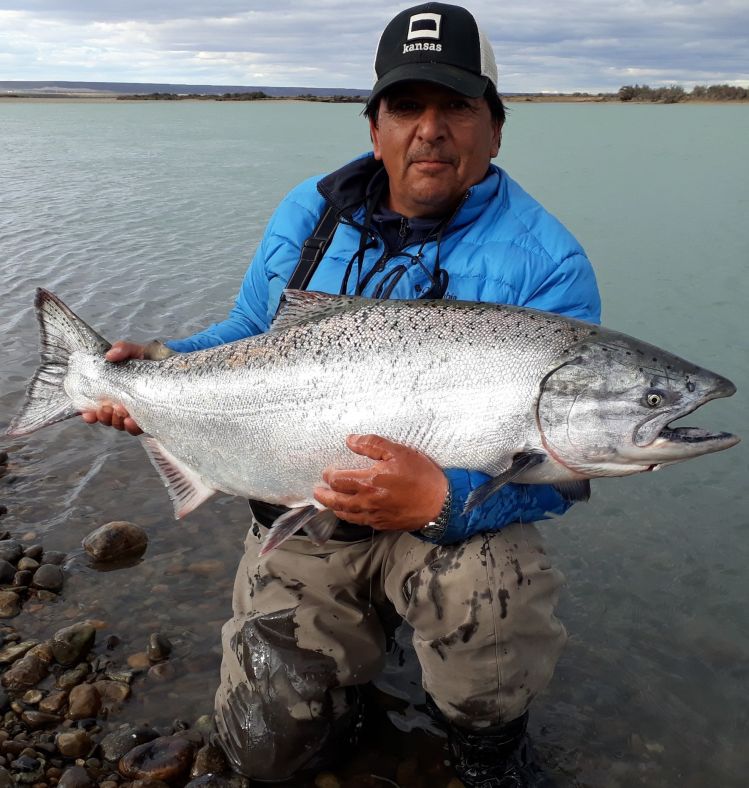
[697, 435]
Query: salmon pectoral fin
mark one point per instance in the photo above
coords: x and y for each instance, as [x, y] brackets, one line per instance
[318, 523]
[185, 487]
[520, 462]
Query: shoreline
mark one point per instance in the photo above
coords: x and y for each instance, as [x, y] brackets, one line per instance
[529, 98]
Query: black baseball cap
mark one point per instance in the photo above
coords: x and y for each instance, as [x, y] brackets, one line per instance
[435, 42]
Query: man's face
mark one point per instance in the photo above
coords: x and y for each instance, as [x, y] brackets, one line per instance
[435, 144]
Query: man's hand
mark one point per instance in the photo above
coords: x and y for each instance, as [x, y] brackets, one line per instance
[402, 491]
[115, 415]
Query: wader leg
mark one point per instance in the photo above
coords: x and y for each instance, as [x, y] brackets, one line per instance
[483, 618]
[300, 639]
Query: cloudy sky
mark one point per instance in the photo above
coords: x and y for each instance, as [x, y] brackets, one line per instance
[541, 45]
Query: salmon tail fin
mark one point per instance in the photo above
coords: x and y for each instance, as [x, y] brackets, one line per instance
[61, 332]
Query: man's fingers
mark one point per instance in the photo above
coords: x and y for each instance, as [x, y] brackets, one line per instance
[121, 351]
[373, 446]
[348, 480]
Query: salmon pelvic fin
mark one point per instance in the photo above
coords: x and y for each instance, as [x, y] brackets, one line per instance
[61, 332]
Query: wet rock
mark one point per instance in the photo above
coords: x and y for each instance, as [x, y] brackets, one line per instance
[159, 647]
[10, 604]
[27, 563]
[3, 457]
[208, 760]
[40, 719]
[28, 770]
[34, 551]
[7, 571]
[32, 697]
[14, 651]
[73, 744]
[72, 678]
[48, 577]
[75, 777]
[167, 758]
[6, 781]
[71, 644]
[83, 702]
[25, 673]
[44, 652]
[24, 578]
[161, 671]
[209, 781]
[54, 702]
[115, 541]
[11, 550]
[53, 557]
[112, 692]
[139, 661]
[119, 742]
[4, 703]
[124, 675]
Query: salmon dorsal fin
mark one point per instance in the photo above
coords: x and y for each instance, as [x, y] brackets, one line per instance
[304, 306]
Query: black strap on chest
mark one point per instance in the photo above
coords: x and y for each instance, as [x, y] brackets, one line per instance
[313, 250]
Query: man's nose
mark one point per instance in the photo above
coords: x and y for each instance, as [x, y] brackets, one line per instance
[431, 124]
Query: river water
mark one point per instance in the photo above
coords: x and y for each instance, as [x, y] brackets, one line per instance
[143, 216]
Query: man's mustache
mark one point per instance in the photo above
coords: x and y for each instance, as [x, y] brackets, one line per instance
[429, 154]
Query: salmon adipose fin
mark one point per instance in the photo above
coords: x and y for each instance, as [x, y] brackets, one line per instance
[185, 487]
[61, 332]
[318, 523]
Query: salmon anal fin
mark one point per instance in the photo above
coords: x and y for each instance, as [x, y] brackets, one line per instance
[319, 524]
[185, 487]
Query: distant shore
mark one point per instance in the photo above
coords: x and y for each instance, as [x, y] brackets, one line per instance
[540, 98]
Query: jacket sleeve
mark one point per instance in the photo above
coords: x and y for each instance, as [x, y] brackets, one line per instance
[272, 264]
[570, 290]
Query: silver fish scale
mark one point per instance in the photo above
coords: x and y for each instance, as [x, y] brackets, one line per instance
[263, 416]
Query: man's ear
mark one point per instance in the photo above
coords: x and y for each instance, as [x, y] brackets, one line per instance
[374, 135]
[496, 138]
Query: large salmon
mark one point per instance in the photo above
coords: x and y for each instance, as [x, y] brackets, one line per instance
[522, 395]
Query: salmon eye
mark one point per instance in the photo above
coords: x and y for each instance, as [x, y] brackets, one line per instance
[653, 399]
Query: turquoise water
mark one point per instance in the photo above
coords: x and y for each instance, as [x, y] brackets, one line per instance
[143, 216]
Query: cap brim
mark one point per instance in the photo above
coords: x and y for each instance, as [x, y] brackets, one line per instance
[457, 79]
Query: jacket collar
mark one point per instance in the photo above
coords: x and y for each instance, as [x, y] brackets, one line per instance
[348, 189]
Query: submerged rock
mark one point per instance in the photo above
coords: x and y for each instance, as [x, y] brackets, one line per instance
[25, 673]
[71, 644]
[10, 604]
[116, 541]
[166, 758]
[48, 577]
[117, 743]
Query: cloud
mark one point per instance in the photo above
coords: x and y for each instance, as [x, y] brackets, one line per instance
[581, 45]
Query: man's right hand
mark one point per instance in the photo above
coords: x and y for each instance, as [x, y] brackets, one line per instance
[108, 413]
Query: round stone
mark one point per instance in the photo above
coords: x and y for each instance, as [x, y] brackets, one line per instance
[167, 758]
[10, 604]
[48, 577]
[73, 744]
[115, 541]
[71, 644]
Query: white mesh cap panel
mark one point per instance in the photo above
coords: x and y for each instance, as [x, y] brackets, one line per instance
[488, 63]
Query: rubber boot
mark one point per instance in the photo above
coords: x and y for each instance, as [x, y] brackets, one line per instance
[496, 757]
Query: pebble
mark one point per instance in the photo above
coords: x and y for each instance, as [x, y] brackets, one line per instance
[71, 644]
[112, 692]
[48, 577]
[14, 651]
[54, 557]
[34, 551]
[71, 678]
[75, 777]
[116, 541]
[167, 758]
[25, 673]
[208, 760]
[32, 697]
[24, 578]
[116, 744]
[83, 702]
[7, 571]
[10, 604]
[27, 563]
[6, 781]
[54, 702]
[74, 744]
[11, 550]
[139, 661]
[159, 647]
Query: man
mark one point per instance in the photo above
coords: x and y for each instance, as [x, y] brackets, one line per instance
[424, 215]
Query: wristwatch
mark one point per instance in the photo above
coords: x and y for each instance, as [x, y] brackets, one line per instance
[435, 529]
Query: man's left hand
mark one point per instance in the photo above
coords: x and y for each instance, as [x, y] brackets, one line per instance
[402, 491]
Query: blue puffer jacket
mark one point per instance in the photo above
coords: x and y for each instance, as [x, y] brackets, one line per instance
[500, 246]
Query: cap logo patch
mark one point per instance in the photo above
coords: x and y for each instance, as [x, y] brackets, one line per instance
[424, 26]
